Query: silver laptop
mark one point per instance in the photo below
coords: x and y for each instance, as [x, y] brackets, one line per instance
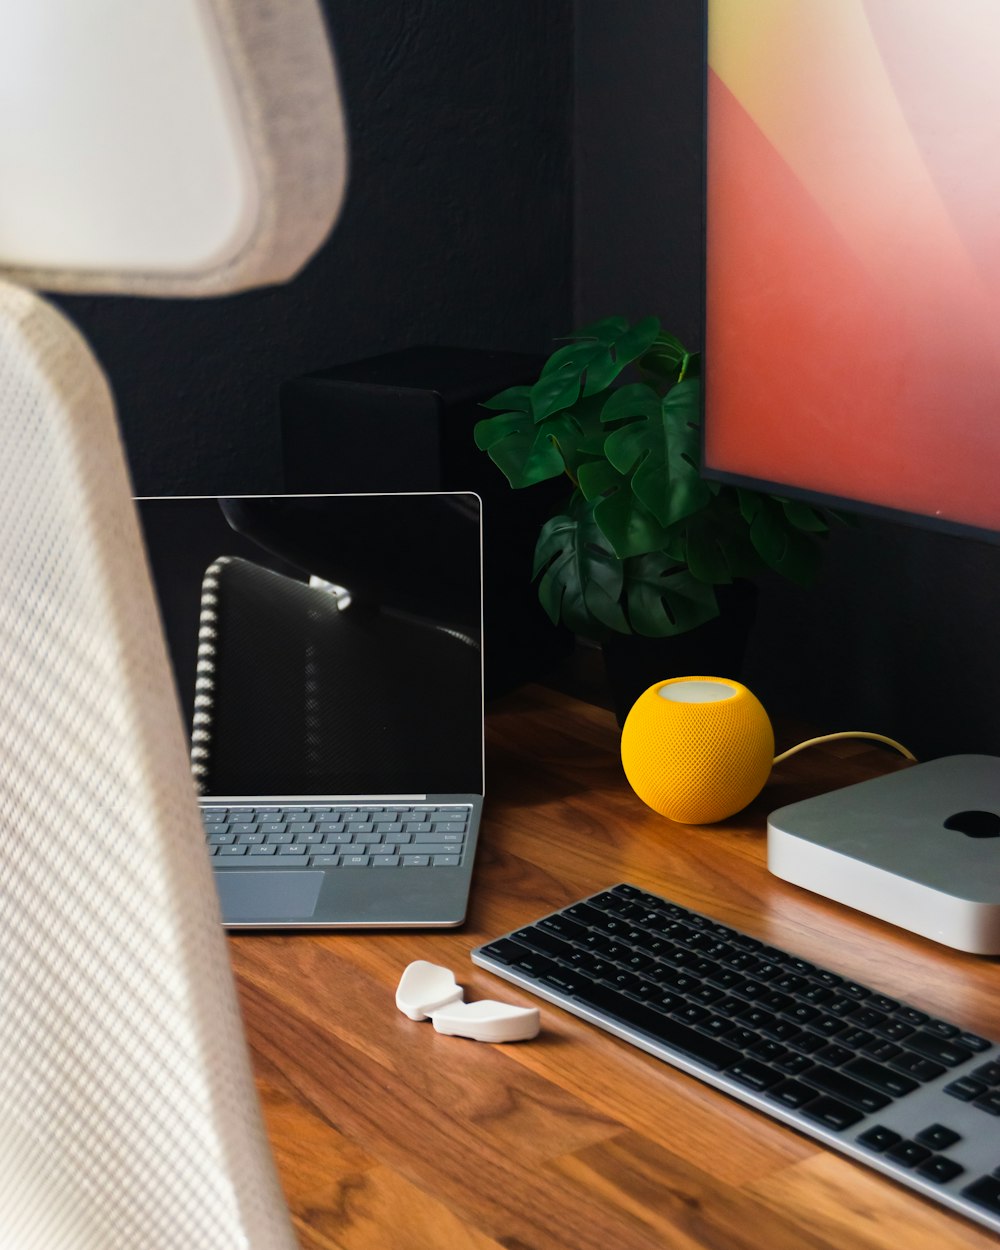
[327, 653]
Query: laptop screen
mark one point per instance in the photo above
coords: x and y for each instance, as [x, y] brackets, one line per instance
[324, 644]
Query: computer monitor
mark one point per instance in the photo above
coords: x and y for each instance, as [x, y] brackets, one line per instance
[852, 339]
[852, 356]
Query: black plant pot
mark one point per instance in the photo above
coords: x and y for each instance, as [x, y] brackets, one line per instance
[716, 649]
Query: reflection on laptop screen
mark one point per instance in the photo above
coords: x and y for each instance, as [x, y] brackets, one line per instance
[324, 644]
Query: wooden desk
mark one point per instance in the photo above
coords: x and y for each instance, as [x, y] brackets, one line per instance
[389, 1135]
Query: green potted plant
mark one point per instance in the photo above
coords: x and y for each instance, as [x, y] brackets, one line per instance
[644, 541]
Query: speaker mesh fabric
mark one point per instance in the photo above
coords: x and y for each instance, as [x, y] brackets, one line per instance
[697, 762]
[127, 1106]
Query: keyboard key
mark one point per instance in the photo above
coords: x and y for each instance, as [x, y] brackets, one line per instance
[938, 1136]
[833, 1056]
[881, 1078]
[753, 1074]
[564, 981]
[973, 1042]
[385, 861]
[855, 1038]
[504, 949]
[292, 849]
[829, 979]
[324, 861]
[945, 1051]
[988, 1073]
[541, 940]
[881, 1003]
[263, 861]
[355, 861]
[940, 1169]
[834, 1081]
[792, 1093]
[446, 861]
[965, 1089]
[911, 1016]
[908, 1153]
[416, 861]
[831, 1113]
[435, 848]
[984, 1193]
[940, 1028]
[828, 1026]
[988, 1102]
[563, 927]
[807, 1043]
[794, 1065]
[893, 1029]
[882, 1050]
[917, 1066]
[879, 1138]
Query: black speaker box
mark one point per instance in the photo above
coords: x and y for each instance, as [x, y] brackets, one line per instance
[403, 422]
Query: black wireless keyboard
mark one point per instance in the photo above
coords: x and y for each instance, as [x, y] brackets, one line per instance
[914, 1097]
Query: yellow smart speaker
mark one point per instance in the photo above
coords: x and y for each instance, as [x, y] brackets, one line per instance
[697, 749]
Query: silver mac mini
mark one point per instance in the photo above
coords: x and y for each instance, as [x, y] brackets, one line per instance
[919, 848]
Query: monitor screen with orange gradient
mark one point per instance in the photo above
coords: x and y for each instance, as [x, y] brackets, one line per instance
[852, 341]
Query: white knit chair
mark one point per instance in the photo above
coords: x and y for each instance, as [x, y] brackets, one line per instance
[128, 1114]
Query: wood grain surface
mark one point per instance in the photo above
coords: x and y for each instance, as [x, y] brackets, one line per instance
[387, 1134]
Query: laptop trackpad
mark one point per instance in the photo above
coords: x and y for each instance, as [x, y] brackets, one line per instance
[260, 897]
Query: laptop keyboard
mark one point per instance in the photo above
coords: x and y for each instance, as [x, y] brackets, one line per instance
[336, 835]
[914, 1097]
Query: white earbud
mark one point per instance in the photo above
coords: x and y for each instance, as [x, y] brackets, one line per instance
[487, 1021]
[424, 987]
[428, 991]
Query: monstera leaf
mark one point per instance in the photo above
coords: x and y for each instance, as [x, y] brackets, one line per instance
[590, 363]
[581, 577]
[623, 519]
[660, 446]
[667, 361]
[780, 542]
[524, 452]
[715, 542]
[664, 597]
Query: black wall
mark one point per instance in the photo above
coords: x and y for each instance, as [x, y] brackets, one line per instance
[457, 230]
[900, 636]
